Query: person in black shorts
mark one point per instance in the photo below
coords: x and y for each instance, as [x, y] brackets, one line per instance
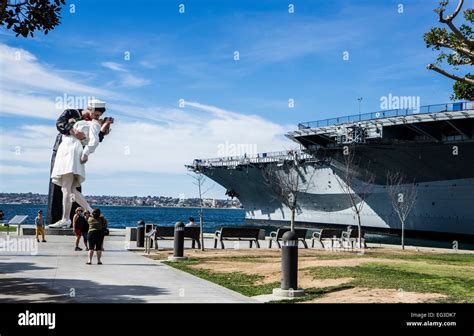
[95, 236]
[85, 229]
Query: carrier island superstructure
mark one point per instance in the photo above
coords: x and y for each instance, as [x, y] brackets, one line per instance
[432, 147]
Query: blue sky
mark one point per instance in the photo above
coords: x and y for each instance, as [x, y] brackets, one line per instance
[190, 56]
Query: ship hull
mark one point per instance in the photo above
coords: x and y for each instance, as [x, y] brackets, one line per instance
[432, 148]
[442, 209]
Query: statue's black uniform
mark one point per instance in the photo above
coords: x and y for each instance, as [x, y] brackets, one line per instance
[55, 195]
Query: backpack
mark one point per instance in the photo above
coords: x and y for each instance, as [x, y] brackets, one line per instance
[104, 222]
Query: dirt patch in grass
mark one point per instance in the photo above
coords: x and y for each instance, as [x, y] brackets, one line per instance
[376, 295]
[372, 252]
[261, 253]
[269, 269]
[237, 281]
[386, 275]
[410, 277]
[306, 281]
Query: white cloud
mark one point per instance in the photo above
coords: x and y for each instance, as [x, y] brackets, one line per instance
[212, 109]
[154, 113]
[30, 105]
[21, 71]
[147, 147]
[19, 170]
[147, 64]
[30, 88]
[28, 145]
[141, 146]
[147, 139]
[129, 80]
[113, 66]
[126, 78]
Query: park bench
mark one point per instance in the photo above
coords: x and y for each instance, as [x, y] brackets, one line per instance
[163, 233]
[345, 238]
[149, 240]
[276, 236]
[237, 234]
[167, 233]
[194, 233]
[354, 237]
[326, 234]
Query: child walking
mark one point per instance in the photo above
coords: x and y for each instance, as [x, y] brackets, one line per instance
[39, 222]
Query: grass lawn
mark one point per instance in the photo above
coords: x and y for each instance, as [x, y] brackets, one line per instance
[457, 285]
[11, 228]
[252, 273]
[239, 282]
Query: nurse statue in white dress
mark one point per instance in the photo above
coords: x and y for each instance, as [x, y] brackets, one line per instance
[69, 167]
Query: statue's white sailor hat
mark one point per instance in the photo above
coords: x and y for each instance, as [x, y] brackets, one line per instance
[96, 104]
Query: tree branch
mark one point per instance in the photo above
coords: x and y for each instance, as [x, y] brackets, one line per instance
[14, 5]
[456, 11]
[3, 6]
[452, 76]
[467, 52]
[449, 21]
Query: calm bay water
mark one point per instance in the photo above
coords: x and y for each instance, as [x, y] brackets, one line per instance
[214, 219]
[124, 216]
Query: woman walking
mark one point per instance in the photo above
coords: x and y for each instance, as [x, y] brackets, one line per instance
[95, 236]
[85, 229]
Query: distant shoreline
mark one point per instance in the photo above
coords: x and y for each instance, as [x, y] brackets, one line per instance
[136, 206]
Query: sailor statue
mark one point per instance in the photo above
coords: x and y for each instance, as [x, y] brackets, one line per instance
[80, 132]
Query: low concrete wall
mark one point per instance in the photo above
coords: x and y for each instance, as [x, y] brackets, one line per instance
[131, 234]
[30, 230]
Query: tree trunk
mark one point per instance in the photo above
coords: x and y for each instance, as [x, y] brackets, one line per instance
[200, 218]
[360, 230]
[293, 220]
[202, 229]
[403, 234]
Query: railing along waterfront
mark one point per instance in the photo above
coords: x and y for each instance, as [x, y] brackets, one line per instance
[281, 156]
[449, 107]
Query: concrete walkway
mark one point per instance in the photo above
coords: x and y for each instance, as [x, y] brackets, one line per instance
[59, 274]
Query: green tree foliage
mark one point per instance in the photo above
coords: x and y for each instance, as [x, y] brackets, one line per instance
[24, 17]
[455, 47]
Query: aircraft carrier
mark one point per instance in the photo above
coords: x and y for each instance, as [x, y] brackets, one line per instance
[432, 147]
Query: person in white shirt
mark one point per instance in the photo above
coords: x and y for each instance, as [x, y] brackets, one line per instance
[191, 222]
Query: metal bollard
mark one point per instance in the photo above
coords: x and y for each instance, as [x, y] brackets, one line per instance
[289, 261]
[141, 233]
[178, 242]
[289, 267]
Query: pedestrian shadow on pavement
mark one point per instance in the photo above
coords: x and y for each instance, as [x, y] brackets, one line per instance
[27, 290]
[15, 267]
[20, 290]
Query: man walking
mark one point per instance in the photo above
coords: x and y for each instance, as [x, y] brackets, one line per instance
[39, 222]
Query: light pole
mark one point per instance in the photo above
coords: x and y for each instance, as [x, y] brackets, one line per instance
[360, 102]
